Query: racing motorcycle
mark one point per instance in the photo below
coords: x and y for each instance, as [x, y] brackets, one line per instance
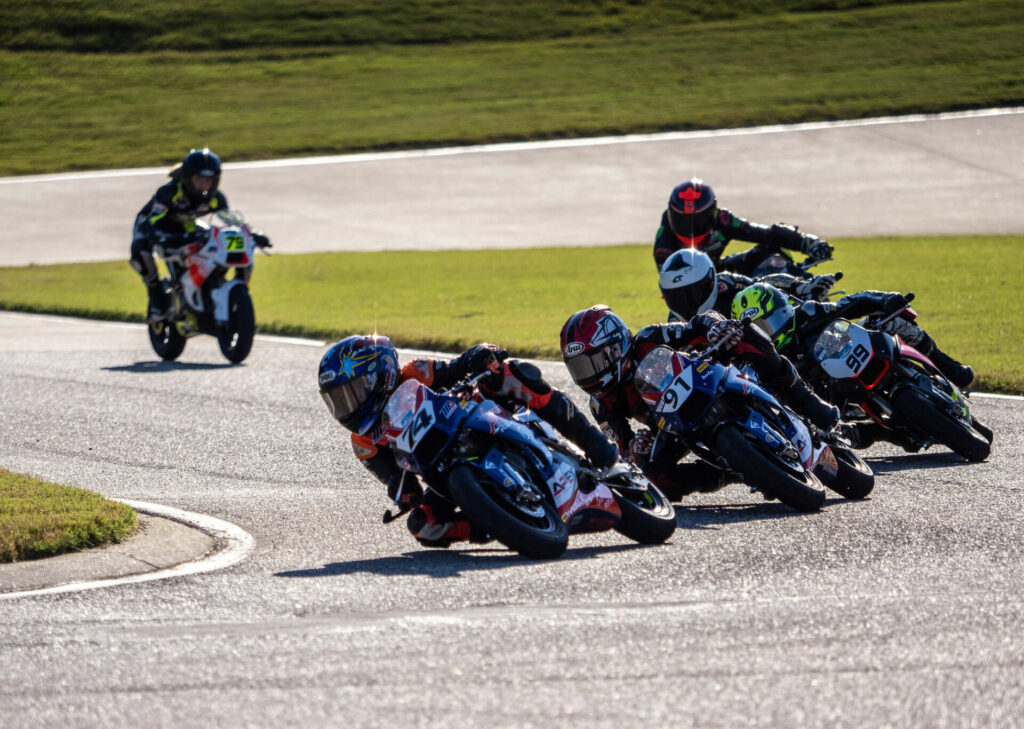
[726, 418]
[512, 474]
[208, 285]
[898, 387]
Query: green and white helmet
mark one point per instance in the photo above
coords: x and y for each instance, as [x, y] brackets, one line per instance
[770, 311]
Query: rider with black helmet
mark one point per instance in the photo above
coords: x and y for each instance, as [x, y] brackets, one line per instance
[169, 217]
[357, 376]
[692, 219]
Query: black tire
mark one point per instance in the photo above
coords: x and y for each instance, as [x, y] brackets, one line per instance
[647, 516]
[801, 491]
[543, 537]
[235, 339]
[167, 341]
[918, 408]
[855, 479]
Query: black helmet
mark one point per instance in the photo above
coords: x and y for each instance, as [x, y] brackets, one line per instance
[204, 163]
[691, 212]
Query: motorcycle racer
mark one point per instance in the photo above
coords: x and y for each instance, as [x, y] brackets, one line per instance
[357, 376]
[793, 327]
[602, 355]
[169, 217]
[692, 219]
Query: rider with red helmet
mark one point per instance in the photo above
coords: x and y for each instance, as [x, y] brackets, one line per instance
[357, 376]
[602, 354]
[692, 219]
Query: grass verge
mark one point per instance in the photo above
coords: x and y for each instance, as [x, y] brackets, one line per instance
[41, 519]
[601, 68]
[447, 300]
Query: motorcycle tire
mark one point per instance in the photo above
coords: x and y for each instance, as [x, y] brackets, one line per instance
[917, 407]
[235, 338]
[802, 492]
[167, 341]
[487, 507]
[647, 516]
[855, 479]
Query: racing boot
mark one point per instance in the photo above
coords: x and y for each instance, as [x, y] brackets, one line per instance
[807, 404]
[691, 478]
[959, 374]
[159, 301]
[570, 422]
[439, 526]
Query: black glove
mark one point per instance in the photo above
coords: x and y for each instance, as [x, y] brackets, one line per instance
[893, 303]
[815, 288]
[261, 240]
[484, 358]
[815, 248]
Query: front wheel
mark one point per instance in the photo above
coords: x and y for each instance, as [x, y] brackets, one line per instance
[917, 407]
[647, 516]
[166, 340]
[536, 531]
[854, 478]
[235, 336]
[799, 490]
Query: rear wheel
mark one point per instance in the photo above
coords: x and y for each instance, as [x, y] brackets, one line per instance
[535, 531]
[798, 489]
[917, 407]
[235, 338]
[647, 516]
[167, 341]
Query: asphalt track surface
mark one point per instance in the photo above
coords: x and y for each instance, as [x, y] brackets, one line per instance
[901, 610]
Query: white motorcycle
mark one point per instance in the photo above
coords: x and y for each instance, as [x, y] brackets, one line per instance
[208, 288]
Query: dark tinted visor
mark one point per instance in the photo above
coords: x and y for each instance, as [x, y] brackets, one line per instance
[348, 398]
[691, 225]
[685, 301]
[587, 368]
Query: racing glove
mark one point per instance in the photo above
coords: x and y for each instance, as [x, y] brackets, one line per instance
[406, 493]
[641, 445]
[485, 358]
[728, 332]
[815, 248]
[261, 240]
[893, 303]
[815, 288]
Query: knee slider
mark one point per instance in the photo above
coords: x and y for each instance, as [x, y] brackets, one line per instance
[530, 376]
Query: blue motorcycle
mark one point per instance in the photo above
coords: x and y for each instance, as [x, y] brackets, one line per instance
[514, 476]
[726, 418]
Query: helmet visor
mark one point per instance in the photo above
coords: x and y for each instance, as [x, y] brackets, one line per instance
[588, 368]
[775, 323]
[689, 300]
[691, 225]
[347, 399]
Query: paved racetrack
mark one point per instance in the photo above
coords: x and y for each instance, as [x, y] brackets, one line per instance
[901, 610]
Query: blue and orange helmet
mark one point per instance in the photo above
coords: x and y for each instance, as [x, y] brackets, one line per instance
[357, 376]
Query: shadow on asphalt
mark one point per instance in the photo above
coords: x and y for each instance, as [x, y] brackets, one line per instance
[709, 516]
[448, 563]
[165, 366]
[915, 461]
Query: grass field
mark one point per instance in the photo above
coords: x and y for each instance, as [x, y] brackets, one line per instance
[87, 85]
[40, 519]
[965, 288]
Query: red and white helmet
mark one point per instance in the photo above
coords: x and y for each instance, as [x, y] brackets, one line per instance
[691, 212]
[596, 348]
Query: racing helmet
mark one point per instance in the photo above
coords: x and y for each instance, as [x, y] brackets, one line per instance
[204, 163]
[688, 283]
[691, 212]
[596, 348]
[357, 375]
[770, 311]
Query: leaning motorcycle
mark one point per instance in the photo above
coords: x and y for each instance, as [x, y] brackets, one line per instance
[208, 286]
[727, 419]
[513, 476]
[899, 388]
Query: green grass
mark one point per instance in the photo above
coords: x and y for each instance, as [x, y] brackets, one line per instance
[40, 519]
[332, 77]
[447, 300]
